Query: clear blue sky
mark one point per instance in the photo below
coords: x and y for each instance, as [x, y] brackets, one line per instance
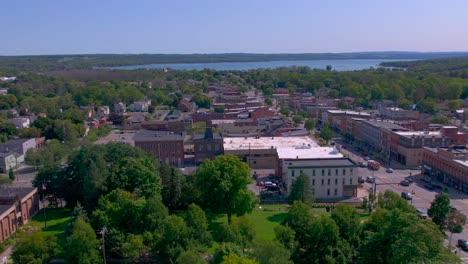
[217, 26]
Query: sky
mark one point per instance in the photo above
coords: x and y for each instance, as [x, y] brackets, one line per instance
[32, 27]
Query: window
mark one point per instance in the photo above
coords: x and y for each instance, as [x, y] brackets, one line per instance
[292, 173]
[343, 181]
[323, 181]
[323, 172]
[254, 162]
[350, 180]
[216, 147]
[344, 171]
[208, 147]
[336, 181]
[336, 192]
[313, 172]
[328, 192]
[328, 182]
[336, 172]
[313, 182]
[329, 172]
[300, 172]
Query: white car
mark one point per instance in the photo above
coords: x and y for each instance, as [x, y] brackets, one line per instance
[389, 170]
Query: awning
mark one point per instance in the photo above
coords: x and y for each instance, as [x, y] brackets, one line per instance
[427, 167]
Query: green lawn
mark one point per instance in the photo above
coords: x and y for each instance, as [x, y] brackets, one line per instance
[57, 221]
[267, 217]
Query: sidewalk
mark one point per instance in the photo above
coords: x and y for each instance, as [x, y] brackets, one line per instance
[5, 256]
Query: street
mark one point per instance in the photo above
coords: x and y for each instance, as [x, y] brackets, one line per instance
[422, 197]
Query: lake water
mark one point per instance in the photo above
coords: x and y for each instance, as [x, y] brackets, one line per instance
[339, 65]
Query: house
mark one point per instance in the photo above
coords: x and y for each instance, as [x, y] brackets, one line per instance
[185, 105]
[167, 146]
[140, 106]
[12, 152]
[17, 207]
[103, 111]
[120, 108]
[20, 122]
[207, 145]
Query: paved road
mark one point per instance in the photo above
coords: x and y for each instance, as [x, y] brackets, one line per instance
[422, 197]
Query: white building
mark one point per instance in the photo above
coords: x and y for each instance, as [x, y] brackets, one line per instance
[103, 111]
[20, 122]
[291, 156]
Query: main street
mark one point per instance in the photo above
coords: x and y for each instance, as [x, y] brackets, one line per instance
[422, 197]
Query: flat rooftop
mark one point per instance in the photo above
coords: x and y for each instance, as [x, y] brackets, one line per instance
[463, 162]
[152, 135]
[286, 147]
[343, 162]
[419, 133]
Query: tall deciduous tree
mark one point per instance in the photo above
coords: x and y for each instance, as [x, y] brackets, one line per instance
[439, 210]
[33, 246]
[82, 245]
[197, 225]
[301, 190]
[455, 223]
[267, 251]
[223, 186]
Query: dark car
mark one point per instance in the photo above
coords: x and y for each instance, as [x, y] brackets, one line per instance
[463, 244]
[405, 183]
[361, 179]
[362, 164]
[406, 195]
[429, 187]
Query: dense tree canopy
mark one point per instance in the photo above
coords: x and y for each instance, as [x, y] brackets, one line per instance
[223, 186]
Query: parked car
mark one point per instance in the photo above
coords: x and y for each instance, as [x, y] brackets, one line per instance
[405, 183]
[409, 179]
[370, 179]
[366, 158]
[389, 170]
[362, 164]
[407, 195]
[421, 213]
[453, 208]
[463, 244]
[361, 179]
[429, 187]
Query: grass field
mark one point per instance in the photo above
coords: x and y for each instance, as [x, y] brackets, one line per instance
[57, 221]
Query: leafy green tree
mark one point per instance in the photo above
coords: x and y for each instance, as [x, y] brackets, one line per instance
[219, 109]
[310, 123]
[82, 245]
[33, 246]
[348, 220]
[172, 183]
[297, 119]
[197, 225]
[241, 231]
[455, 104]
[286, 236]
[326, 133]
[455, 223]
[133, 247]
[443, 120]
[223, 186]
[53, 178]
[301, 190]
[285, 111]
[191, 257]
[439, 210]
[391, 201]
[175, 238]
[11, 174]
[268, 101]
[235, 259]
[226, 249]
[267, 251]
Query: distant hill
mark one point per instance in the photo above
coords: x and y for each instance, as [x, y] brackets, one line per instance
[88, 61]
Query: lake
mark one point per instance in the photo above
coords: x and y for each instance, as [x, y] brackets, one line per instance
[339, 65]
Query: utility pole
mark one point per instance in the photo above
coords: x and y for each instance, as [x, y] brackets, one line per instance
[103, 233]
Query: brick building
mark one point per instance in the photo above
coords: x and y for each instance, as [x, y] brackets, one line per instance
[207, 145]
[17, 206]
[448, 165]
[168, 147]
